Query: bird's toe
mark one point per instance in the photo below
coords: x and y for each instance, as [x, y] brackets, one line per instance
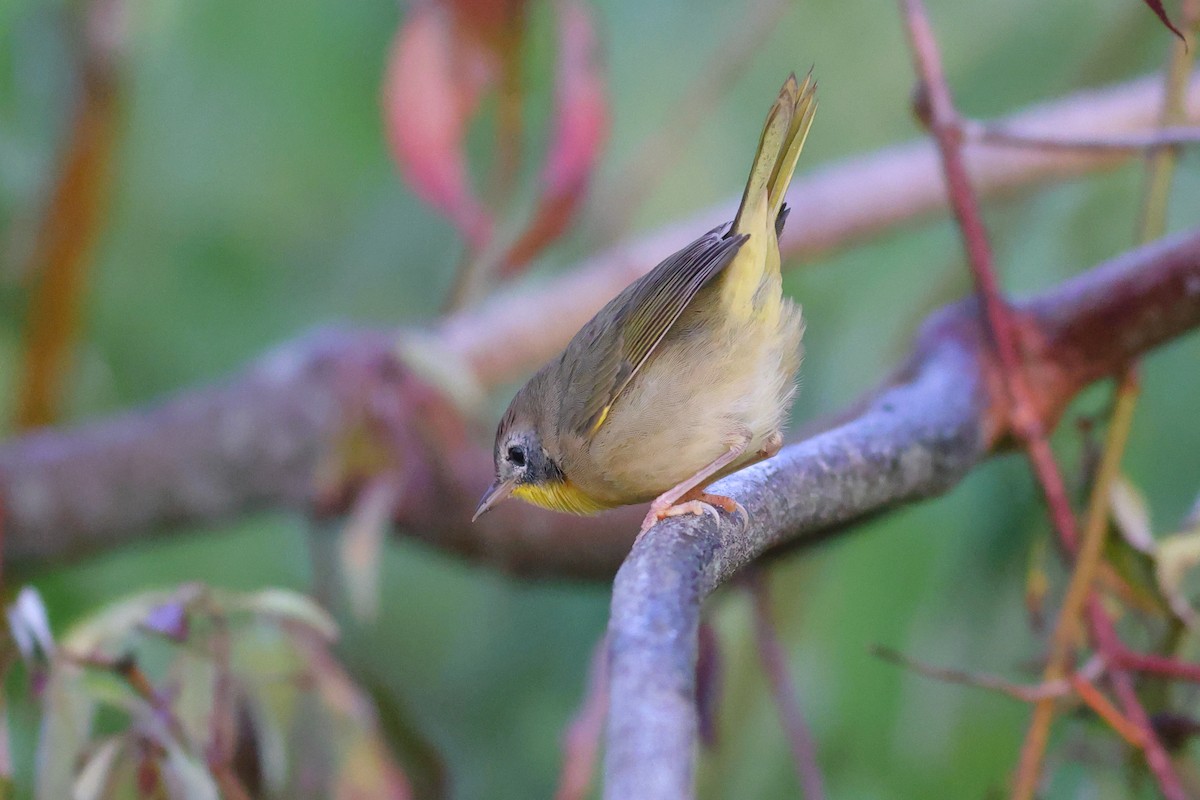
[697, 507]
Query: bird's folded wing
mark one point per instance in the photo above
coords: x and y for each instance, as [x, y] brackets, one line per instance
[609, 351]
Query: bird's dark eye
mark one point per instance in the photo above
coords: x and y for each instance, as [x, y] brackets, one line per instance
[517, 455]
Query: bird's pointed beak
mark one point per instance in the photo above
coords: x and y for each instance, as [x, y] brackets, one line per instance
[500, 490]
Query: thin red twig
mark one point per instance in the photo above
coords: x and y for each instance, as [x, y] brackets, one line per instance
[127, 669]
[1158, 665]
[1020, 692]
[774, 662]
[1156, 755]
[1094, 699]
[945, 126]
[581, 742]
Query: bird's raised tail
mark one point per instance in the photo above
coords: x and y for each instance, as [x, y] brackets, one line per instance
[779, 149]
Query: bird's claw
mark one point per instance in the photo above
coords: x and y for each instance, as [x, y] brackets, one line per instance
[706, 505]
[729, 506]
[743, 516]
[658, 513]
[697, 507]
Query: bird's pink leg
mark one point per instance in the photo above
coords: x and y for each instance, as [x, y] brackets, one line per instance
[684, 497]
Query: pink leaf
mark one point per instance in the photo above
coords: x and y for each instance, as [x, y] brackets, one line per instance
[580, 130]
[582, 116]
[432, 89]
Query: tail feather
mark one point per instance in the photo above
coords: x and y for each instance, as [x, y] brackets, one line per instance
[779, 149]
[762, 213]
[802, 116]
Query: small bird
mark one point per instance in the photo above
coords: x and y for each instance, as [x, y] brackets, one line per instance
[684, 377]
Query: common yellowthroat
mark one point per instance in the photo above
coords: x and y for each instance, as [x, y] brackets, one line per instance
[684, 377]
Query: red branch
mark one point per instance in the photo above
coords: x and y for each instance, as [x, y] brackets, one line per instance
[1159, 665]
[1025, 423]
[775, 664]
[581, 741]
[944, 124]
[1157, 759]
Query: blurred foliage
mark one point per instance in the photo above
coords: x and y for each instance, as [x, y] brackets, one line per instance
[200, 693]
[255, 198]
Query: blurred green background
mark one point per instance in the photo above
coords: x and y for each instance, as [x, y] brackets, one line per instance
[255, 198]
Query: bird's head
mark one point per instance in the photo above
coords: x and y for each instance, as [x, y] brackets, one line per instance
[524, 467]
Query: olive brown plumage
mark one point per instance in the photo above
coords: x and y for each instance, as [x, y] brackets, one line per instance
[684, 377]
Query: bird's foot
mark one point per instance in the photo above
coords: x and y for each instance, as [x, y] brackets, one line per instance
[700, 504]
[729, 506]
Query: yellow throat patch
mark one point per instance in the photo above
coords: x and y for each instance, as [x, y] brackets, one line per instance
[558, 496]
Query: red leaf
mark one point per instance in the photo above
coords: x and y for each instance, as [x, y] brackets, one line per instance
[492, 21]
[149, 775]
[1157, 7]
[582, 116]
[580, 130]
[434, 80]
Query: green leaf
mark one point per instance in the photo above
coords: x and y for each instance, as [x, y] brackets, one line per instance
[67, 712]
[1175, 557]
[362, 546]
[286, 606]
[271, 737]
[104, 633]
[105, 688]
[186, 777]
[444, 368]
[366, 770]
[94, 778]
[193, 678]
[1131, 514]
